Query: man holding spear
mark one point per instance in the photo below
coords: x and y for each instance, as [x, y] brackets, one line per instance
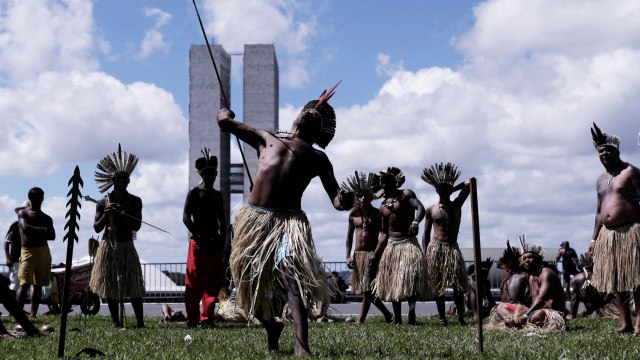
[273, 259]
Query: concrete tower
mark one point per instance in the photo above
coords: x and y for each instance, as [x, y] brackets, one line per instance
[260, 97]
[205, 99]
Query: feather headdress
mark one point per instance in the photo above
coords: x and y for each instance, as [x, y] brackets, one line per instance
[530, 248]
[327, 116]
[441, 173]
[394, 172]
[118, 162]
[360, 183]
[603, 139]
[206, 161]
[510, 258]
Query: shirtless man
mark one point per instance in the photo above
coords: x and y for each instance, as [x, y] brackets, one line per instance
[203, 215]
[547, 308]
[273, 257]
[36, 228]
[364, 222]
[615, 244]
[116, 273]
[400, 260]
[445, 263]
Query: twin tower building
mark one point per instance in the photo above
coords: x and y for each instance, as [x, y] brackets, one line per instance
[260, 109]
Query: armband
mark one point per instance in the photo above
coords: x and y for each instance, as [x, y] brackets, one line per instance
[415, 222]
[526, 316]
[593, 241]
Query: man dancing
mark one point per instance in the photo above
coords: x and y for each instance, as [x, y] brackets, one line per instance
[401, 264]
[273, 257]
[616, 236]
[203, 215]
[116, 272]
[445, 264]
[365, 222]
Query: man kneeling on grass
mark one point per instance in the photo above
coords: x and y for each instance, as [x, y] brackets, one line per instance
[548, 308]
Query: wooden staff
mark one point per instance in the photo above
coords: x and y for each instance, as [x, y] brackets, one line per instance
[72, 225]
[477, 258]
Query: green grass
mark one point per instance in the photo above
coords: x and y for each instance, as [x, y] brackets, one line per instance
[584, 339]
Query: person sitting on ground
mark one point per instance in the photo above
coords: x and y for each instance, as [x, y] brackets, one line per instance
[8, 300]
[548, 307]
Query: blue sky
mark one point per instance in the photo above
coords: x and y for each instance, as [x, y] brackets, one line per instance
[506, 89]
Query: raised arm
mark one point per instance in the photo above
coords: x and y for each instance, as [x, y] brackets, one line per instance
[465, 190]
[244, 132]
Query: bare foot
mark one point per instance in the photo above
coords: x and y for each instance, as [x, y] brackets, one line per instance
[624, 330]
[7, 336]
[388, 318]
[301, 351]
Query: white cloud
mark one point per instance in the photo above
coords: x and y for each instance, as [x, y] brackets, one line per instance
[38, 36]
[154, 38]
[289, 25]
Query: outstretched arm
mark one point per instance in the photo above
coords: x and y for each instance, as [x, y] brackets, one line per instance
[244, 132]
[340, 200]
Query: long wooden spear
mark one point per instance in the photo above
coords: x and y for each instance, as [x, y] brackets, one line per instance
[226, 101]
[477, 258]
[72, 225]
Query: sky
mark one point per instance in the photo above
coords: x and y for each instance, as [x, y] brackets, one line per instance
[505, 89]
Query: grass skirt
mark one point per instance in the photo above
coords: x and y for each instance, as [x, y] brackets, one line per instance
[616, 259]
[445, 267]
[116, 271]
[269, 244]
[360, 279]
[552, 323]
[401, 271]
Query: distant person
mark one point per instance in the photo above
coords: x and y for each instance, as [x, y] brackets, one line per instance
[273, 257]
[365, 222]
[445, 263]
[203, 215]
[615, 244]
[8, 300]
[569, 265]
[548, 302]
[401, 263]
[12, 248]
[36, 229]
[117, 273]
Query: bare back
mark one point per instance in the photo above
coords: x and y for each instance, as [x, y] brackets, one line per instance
[36, 228]
[286, 166]
[617, 197]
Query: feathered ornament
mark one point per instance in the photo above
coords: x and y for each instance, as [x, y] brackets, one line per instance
[603, 139]
[396, 173]
[585, 261]
[206, 161]
[530, 248]
[510, 258]
[441, 173]
[360, 183]
[327, 116]
[118, 162]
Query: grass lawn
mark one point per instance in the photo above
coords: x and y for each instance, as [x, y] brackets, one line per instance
[584, 339]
